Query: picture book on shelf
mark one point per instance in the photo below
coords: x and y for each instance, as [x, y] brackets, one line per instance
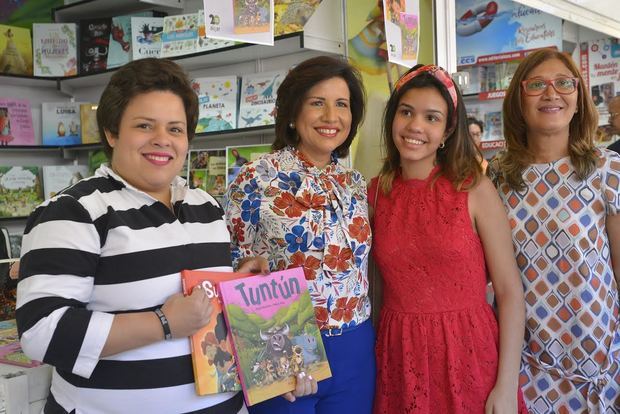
[238, 155]
[257, 101]
[207, 170]
[15, 50]
[291, 15]
[61, 123]
[55, 49]
[180, 35]
[58, 177]
[251, 16]
[493, 126]
[10, 349]
[146, 36]
[217, 98]
[274, 332]
[208, 43]
[88, 123]
[16, 122]
[20, 190]
[215, 369]
[120, 39]
[94, 44]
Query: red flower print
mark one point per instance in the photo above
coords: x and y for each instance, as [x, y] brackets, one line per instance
[286, 203]
[310, 264]
[344, 309]
[359, 229]
[237, 230]
[246, 175]
[321, 315]
[338, 259]
[313, 201]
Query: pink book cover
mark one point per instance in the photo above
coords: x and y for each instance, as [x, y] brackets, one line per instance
[15, 122]
[274, 333]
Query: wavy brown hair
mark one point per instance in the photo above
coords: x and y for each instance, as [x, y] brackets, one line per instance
[582, 128]
[458, 160]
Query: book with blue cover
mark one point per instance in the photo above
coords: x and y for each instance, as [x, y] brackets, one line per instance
[61, 123]
[217, 98]
[257, 102]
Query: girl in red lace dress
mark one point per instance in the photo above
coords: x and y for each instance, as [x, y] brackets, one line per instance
[439, 228]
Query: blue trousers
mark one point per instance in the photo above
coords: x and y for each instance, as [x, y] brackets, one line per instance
[351, 388]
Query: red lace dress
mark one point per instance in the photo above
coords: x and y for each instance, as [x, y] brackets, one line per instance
[437, 344]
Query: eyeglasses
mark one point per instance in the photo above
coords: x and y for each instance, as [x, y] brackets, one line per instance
[563, 86]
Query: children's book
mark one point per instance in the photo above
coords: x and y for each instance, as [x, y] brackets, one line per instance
[16, 122]
[274, 332]
[290, 16]
[88, 123]
[180, 35]
[207, 170]
[257, 102]
[493, 126]
[15, 50]
[208, 43]
[251, 16]
[59, 177]
[146, 36]
[218, 103]
[61, 123]
[120, 39]
[215, 369]
[238, 155]
[94, 44]
[10, 349]
[55, 49]
[20, 191]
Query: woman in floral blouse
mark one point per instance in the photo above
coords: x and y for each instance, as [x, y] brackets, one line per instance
[298, 206]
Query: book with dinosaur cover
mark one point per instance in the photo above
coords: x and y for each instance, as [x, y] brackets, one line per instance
[218, 103]
[215, 369]
[15, 50]
[94, 44]
[146, 36]
[257, 104]
[61, 123]
[20, 190]
[16, 122]
[274, 332]
[55, 49]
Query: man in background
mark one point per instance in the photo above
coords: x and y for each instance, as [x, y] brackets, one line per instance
[614, 122]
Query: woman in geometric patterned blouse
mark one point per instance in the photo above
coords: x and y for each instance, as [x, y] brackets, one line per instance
[562, 198]
[298, 206]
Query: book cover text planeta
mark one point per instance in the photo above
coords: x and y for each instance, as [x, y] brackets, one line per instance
[274, 333]
[215, 369]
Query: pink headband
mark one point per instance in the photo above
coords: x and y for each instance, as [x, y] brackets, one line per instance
[439, 74]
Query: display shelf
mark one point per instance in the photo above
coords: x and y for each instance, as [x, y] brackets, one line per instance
[486, 96]
[492, 145]
[242, 52]
[28, 81]
[71, 13]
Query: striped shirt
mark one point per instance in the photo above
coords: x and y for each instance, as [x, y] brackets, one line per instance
[100, 248]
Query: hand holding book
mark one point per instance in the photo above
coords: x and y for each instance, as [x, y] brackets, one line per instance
[188, 314]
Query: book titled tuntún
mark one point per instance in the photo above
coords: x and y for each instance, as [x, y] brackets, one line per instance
[215, 369]
[274, 333]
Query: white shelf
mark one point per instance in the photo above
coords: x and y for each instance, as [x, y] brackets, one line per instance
[73, 12]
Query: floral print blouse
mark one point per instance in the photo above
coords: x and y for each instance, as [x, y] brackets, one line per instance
[287, 210]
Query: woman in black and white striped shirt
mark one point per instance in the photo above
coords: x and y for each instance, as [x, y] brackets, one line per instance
[99, 291]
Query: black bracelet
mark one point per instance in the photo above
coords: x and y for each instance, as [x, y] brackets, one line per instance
[164, 323]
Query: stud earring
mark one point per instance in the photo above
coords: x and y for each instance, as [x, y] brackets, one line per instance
[291, 125]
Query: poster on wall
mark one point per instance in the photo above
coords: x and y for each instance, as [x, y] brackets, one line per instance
[402, 30]
[486, 28]
[248, 21]
[600, 67]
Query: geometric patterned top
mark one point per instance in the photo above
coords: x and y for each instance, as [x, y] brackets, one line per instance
[570, 359]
